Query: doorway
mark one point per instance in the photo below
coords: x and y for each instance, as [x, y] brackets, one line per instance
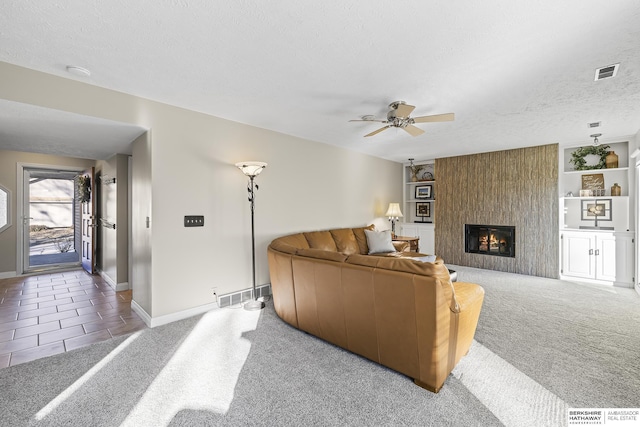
[51, 234]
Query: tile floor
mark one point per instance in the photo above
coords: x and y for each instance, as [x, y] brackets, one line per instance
[52, 313]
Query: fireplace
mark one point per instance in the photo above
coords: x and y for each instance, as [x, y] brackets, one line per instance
[495, 240]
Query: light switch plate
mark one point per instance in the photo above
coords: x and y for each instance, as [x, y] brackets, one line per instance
[194, 220]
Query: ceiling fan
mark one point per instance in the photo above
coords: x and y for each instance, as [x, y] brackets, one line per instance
[398, 117]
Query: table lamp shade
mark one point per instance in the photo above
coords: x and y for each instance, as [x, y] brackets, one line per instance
[394, 211]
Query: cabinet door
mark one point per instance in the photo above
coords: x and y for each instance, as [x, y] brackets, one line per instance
[427, 240]
[577, 255]
[606, 257]
[409, 230]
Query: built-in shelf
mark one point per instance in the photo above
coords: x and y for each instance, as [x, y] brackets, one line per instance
[594, 197]
[411, 204]
[597, 170]
[419, 214]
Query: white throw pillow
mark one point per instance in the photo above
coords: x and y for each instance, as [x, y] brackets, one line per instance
[379, 241]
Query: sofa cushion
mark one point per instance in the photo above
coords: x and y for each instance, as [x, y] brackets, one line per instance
[364, 260]
[437, 270]
[345, 241]
[379, 241]
[321, 254]
[286, 243]
[361, 238]
[321, 240]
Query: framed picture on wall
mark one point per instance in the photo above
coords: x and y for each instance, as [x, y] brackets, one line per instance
[423, 191]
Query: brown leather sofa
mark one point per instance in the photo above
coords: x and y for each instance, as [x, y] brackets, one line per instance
[402, 313]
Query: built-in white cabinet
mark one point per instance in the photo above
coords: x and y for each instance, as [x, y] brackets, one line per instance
[419, 198]
[425, 232]
[604, 257]
[596, 222]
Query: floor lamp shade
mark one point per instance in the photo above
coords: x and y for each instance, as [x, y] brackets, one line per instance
[252, 169]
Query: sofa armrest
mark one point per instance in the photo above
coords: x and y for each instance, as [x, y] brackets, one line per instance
[401, 246]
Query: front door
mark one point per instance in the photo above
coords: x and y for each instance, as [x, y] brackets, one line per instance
[49, 219]
[87, 198]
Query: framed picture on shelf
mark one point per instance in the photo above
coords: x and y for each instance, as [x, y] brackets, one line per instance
[593, 182]
[423, 191]
[596, 210]
[423, 211]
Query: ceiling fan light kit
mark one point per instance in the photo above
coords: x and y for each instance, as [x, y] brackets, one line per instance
[399, 117]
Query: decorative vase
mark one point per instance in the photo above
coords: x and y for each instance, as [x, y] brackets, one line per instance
[611, 160]
[414, 177]
[615, 189]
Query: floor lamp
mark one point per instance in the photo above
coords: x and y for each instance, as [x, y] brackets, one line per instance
[252, 169]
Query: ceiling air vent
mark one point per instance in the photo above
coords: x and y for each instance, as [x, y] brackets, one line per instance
[607, 72]
[594, 125]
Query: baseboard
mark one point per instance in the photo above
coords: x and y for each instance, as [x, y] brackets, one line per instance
[152, 322]
[124, 286]
[223, 301]
[623, 284]
[141, 312]
[8, 274]
[596, 282]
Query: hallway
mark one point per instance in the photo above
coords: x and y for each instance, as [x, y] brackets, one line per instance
[52, 313]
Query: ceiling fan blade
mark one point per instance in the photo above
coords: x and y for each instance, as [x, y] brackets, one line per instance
[414, 131]
[435, 118]
[404, 110]
[375, 132]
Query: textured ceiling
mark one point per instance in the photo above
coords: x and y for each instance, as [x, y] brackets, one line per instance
[515, 73]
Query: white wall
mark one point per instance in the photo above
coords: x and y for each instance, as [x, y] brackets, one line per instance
[307, 186]
[140, 279]
[113, 208]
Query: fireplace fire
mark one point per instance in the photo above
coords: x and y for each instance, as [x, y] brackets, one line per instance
[495, 240]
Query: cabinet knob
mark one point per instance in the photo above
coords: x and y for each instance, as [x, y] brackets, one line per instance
[590, 251]
[597, 252]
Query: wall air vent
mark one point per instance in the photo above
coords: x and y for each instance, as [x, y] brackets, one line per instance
[239, 297]
[594, 125]
[607, 72]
